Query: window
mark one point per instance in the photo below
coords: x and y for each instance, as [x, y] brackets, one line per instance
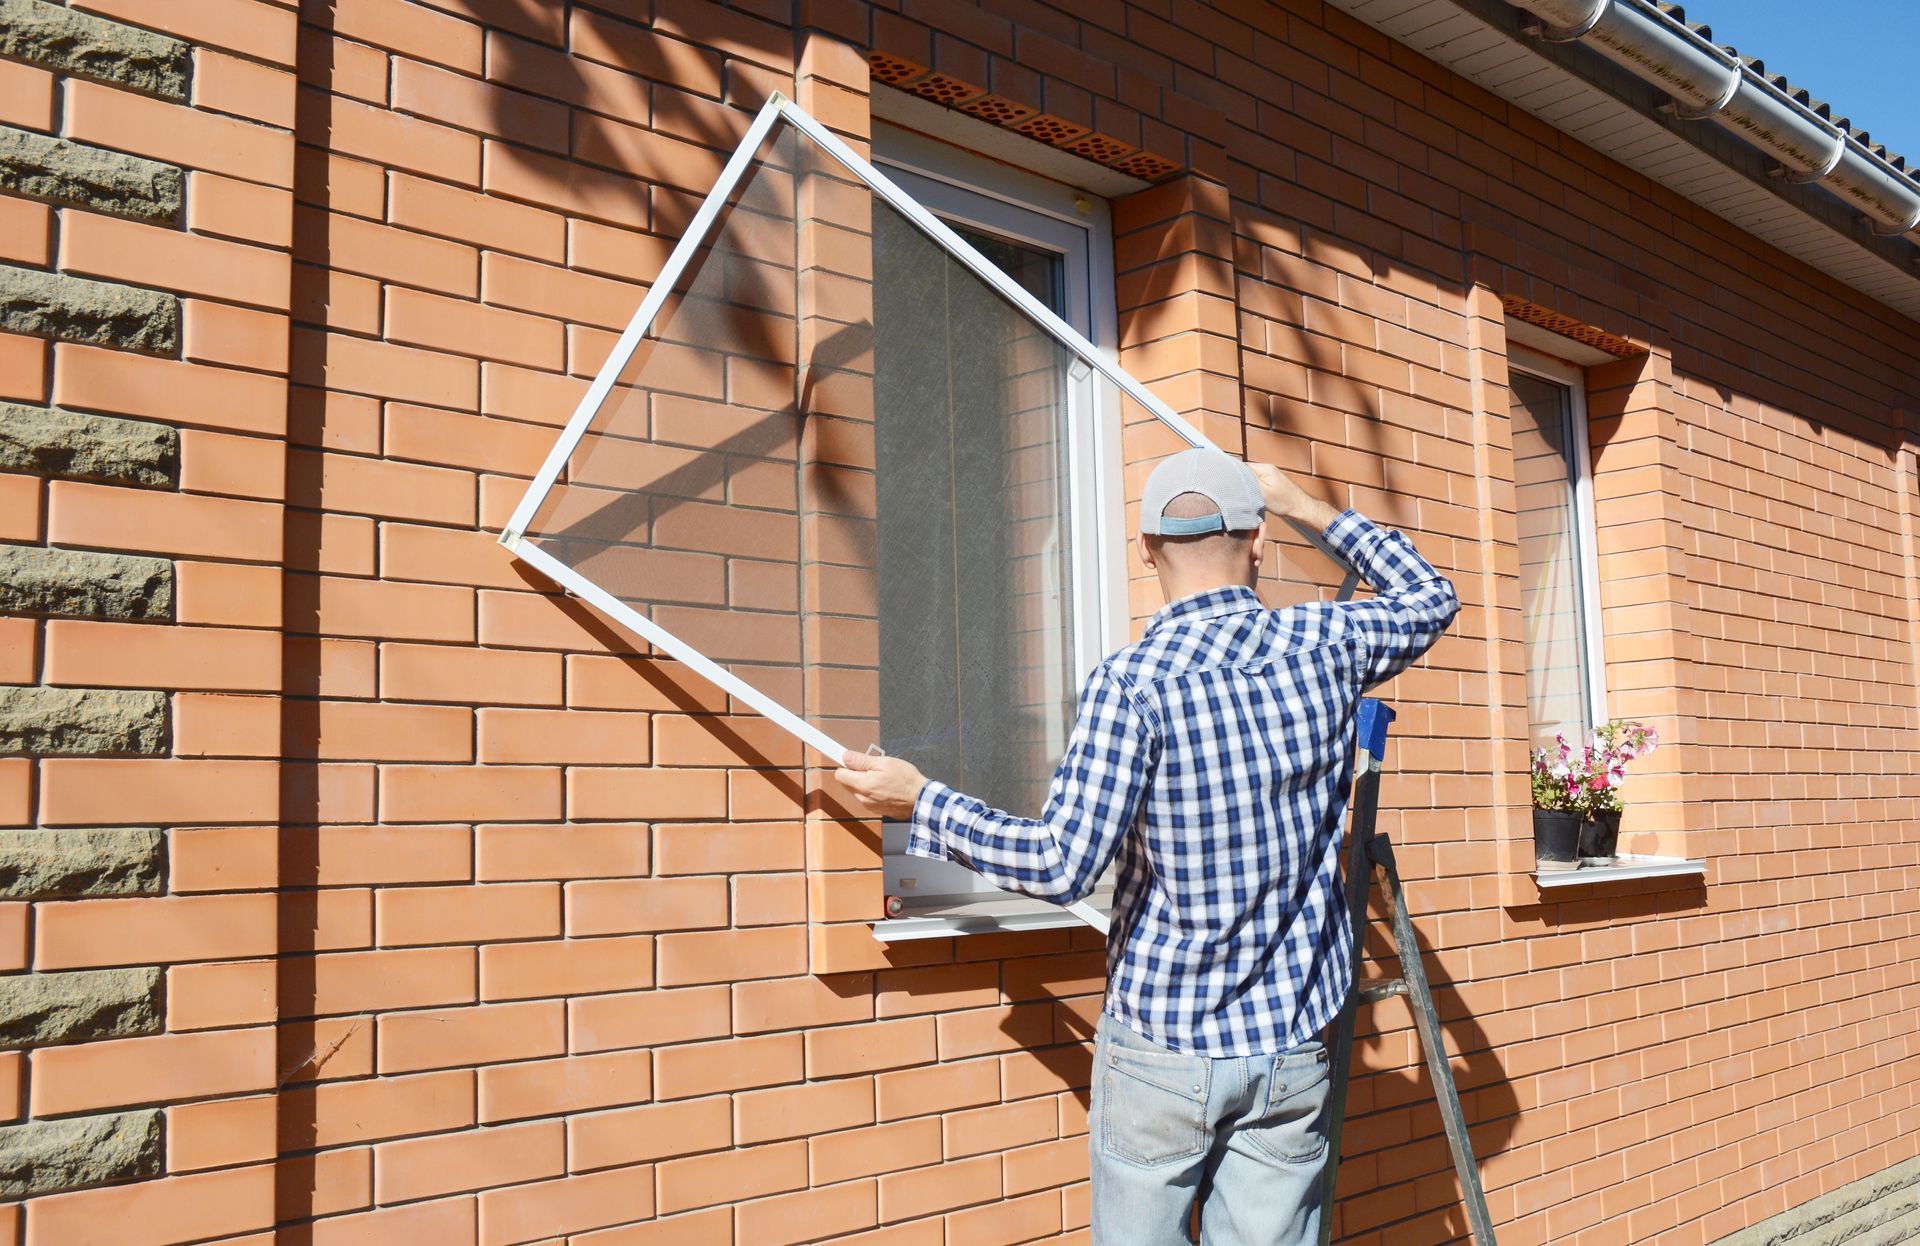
[1559, 578]
[997, 500]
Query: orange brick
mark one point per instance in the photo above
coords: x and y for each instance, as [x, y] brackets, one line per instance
[509, 853]
[508, 281]
[388, 490]
[105, 246]
[801, 1111]
[422, 1167]
[446, 556]
[189, 394]
[801, 1003]
[638, 1135]
[23, 368]
[904, 1195]
[445, 1220]
[262, 31]
[462, 101]
[411, 29]
[338, 606]
[565, 967]
[940, 988]
[526, 395]
[489, 913]
[152, 1213]
[693, 1229]
[921, 1092]
[730, 1176]
[396, 255]
[22, 509]
[107, 517]
[384, 370]
[621, 793]
[13, 1070]
[646, 1018]
[210, 996]
[981, 1030]
[20, 649]
[808, 1216]
[548, 72]
[452, 1037]
[1047, 1164]
[543, 621]
[692, 1069]
[351, 730]
[245, 89]
[516, 173]
[219, 334]
[120, 1072]
[323, 1184]
[103, 116]
[350, 982]
[401, 142]
[26, 96]
[223, 858]
[866, 1152]
[720, 848]
[478, 676]
[26, 231]
[627, 683]
[165, 791]
[461, 440]
[325, 921]
[468, 793]
[335, 856]
[133, 655]
[769, 899]
[1000, 1128]
[220, 1135]
[243, 211]
[570, 737]
[570, 1084]
[342, 544]
[618, 253]
[451, 212]
[636, 906]
[228, 594]
[549, 1208]
[367, 1111]
[701, 740]
[839, 1050]
[14, 922]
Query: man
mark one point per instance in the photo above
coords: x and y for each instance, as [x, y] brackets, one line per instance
[1215, 757]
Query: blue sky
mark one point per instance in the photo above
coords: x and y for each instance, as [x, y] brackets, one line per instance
[1858, 55]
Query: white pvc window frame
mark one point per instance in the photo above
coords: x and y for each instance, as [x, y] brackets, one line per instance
[779, 108]
[1586, 552]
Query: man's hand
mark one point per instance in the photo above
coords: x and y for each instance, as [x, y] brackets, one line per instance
[887, 786]
[1289, 501]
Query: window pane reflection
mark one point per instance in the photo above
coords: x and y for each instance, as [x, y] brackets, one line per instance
[1544, 470]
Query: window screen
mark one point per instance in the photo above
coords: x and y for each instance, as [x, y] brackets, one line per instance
[828, 467]
[1547, 469]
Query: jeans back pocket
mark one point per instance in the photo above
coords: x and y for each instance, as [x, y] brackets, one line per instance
[1293, 1128]
[1153, 1105]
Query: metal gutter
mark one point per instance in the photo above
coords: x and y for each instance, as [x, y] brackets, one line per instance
[1710, 83]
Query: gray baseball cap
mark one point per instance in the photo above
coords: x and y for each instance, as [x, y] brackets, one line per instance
[1213, 474]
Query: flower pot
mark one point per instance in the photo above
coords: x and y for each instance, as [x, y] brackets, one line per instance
[1600, 838]
[1556, 840]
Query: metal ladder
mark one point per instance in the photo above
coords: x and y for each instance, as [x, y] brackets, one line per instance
[1370, 856]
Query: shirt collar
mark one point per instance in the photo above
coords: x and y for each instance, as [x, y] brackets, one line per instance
[1214, 603]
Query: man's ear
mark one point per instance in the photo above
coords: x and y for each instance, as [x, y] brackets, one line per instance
[1146, 552]
[1259, 548]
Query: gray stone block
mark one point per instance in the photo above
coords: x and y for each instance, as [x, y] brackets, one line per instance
[82, 861]
[63, 39]
[38, 580]
[1879, 1210]
[41, 1157]
[48, 441]
[74, 309]
[42, 1009]
[88, 177]
[82, 722]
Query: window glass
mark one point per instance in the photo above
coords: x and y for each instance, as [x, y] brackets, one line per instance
[1546, 469]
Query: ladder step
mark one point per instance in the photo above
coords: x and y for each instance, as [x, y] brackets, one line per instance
[1373, 992]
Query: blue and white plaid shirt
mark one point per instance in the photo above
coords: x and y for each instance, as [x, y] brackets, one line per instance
[1223, 741]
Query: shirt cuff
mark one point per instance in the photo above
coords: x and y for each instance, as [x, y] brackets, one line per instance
[1348, 531]
[924, 837]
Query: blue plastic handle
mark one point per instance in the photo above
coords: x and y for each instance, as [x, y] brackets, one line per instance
[1373, 720]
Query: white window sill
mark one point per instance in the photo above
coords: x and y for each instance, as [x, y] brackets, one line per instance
[937, 917]
[1625, 866]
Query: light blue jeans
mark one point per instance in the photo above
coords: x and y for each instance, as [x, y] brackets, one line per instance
[1245, 1137]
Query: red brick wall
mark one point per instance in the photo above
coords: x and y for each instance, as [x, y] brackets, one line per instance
[481, 926]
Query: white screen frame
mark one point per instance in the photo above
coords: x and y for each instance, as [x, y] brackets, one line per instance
[778, 109]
